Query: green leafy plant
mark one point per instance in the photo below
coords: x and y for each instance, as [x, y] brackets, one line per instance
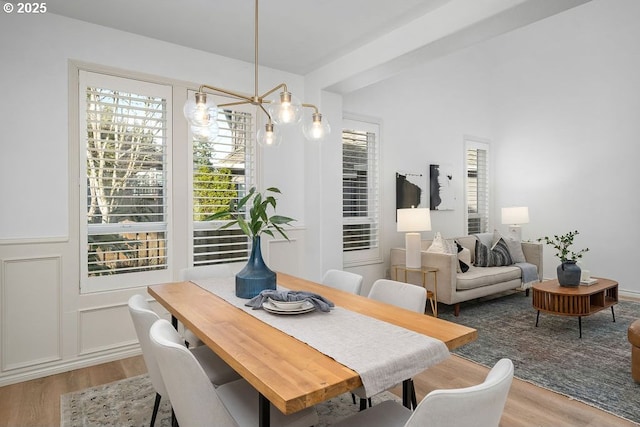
[259, 221]
[562, 244]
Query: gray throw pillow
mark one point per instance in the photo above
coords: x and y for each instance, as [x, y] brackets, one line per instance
[515, 250]
[514, 246]
[496, 257]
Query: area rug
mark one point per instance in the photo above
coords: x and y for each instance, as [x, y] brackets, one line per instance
[129, 402]
[595, 369]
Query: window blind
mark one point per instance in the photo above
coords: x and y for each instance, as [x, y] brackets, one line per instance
[360, 204]
[222, 174]
[125, 167]
[477, 188]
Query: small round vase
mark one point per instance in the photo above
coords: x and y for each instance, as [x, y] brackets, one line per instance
[255, 276]
[568, 274]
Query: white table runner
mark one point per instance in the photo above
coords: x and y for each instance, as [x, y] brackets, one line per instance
[381, 353]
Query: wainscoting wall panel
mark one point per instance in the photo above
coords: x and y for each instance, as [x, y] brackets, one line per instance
[48, 326]
[105, 328]
[31, 307]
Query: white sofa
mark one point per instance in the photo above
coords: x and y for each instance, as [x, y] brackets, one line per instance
[455, 287]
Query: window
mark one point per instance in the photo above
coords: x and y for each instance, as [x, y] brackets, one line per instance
[360, 192]
[125, 131]
[477, 186]
[147, 185]
[221, 175]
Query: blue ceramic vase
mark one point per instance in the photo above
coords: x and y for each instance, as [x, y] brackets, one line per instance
[255, 276]
[568, 273]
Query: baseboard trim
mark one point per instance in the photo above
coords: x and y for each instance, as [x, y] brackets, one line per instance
[68, 365]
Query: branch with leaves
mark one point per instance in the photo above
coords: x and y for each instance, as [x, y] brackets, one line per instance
[258, 221]
[562, 244]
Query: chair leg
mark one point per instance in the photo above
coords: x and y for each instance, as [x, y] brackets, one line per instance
[353, 397]
[363, 404]
[156, 405]
[414, 400]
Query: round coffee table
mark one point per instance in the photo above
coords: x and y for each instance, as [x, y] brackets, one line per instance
[550, 297]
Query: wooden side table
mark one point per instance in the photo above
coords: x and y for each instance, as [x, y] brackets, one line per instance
[431, 296]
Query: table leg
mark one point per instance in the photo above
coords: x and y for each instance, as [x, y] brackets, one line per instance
[580, 325]
[264, 411]
[613, 314]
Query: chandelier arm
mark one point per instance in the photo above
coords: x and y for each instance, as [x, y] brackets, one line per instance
[231, 104]
[238, 95]
[315, 109]
[269, 92]
[265, 111]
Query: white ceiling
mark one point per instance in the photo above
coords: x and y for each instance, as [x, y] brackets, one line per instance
[303, 36]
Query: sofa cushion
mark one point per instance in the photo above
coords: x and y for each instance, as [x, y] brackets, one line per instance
[464, 258]
[468, 242]
[495, 257]
[515, 250]
[477, 277]
[514, 246]
[438, 245]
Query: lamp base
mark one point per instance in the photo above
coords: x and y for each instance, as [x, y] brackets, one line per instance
[413, 254]
[515, 232]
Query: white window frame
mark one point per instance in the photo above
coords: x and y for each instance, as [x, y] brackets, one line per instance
[373, 254]
[474, 143]
[250, 181]
[89, 284]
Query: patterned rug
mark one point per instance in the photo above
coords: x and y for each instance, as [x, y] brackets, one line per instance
[129, 402]
[595, 369]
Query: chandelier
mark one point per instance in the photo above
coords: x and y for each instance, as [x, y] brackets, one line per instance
[287, 110]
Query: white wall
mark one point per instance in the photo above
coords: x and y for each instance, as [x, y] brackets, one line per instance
[47, 326]
[566, 112]
[426, 114]
[559, 100]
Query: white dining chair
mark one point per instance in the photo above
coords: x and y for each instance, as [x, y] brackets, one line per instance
[480, 405]
[403, 295]
[143, 317]
[197, 403]
[343, 280]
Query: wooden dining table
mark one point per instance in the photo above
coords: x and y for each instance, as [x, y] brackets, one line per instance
[286, 372]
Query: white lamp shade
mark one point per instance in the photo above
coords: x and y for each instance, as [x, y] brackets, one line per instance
[515, 215]
[414, 219]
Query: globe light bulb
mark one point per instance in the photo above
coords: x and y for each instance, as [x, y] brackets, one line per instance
[317, 130]
[206, 133]
[287, 110]
[200, 111]
[269, 136]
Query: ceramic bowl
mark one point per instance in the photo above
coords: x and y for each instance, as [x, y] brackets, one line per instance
[287, 305]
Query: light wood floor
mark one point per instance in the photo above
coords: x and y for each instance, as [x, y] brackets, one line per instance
[37, 402]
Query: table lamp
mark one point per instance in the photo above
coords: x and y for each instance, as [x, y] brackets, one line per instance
[412, 221]
[514, 216]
